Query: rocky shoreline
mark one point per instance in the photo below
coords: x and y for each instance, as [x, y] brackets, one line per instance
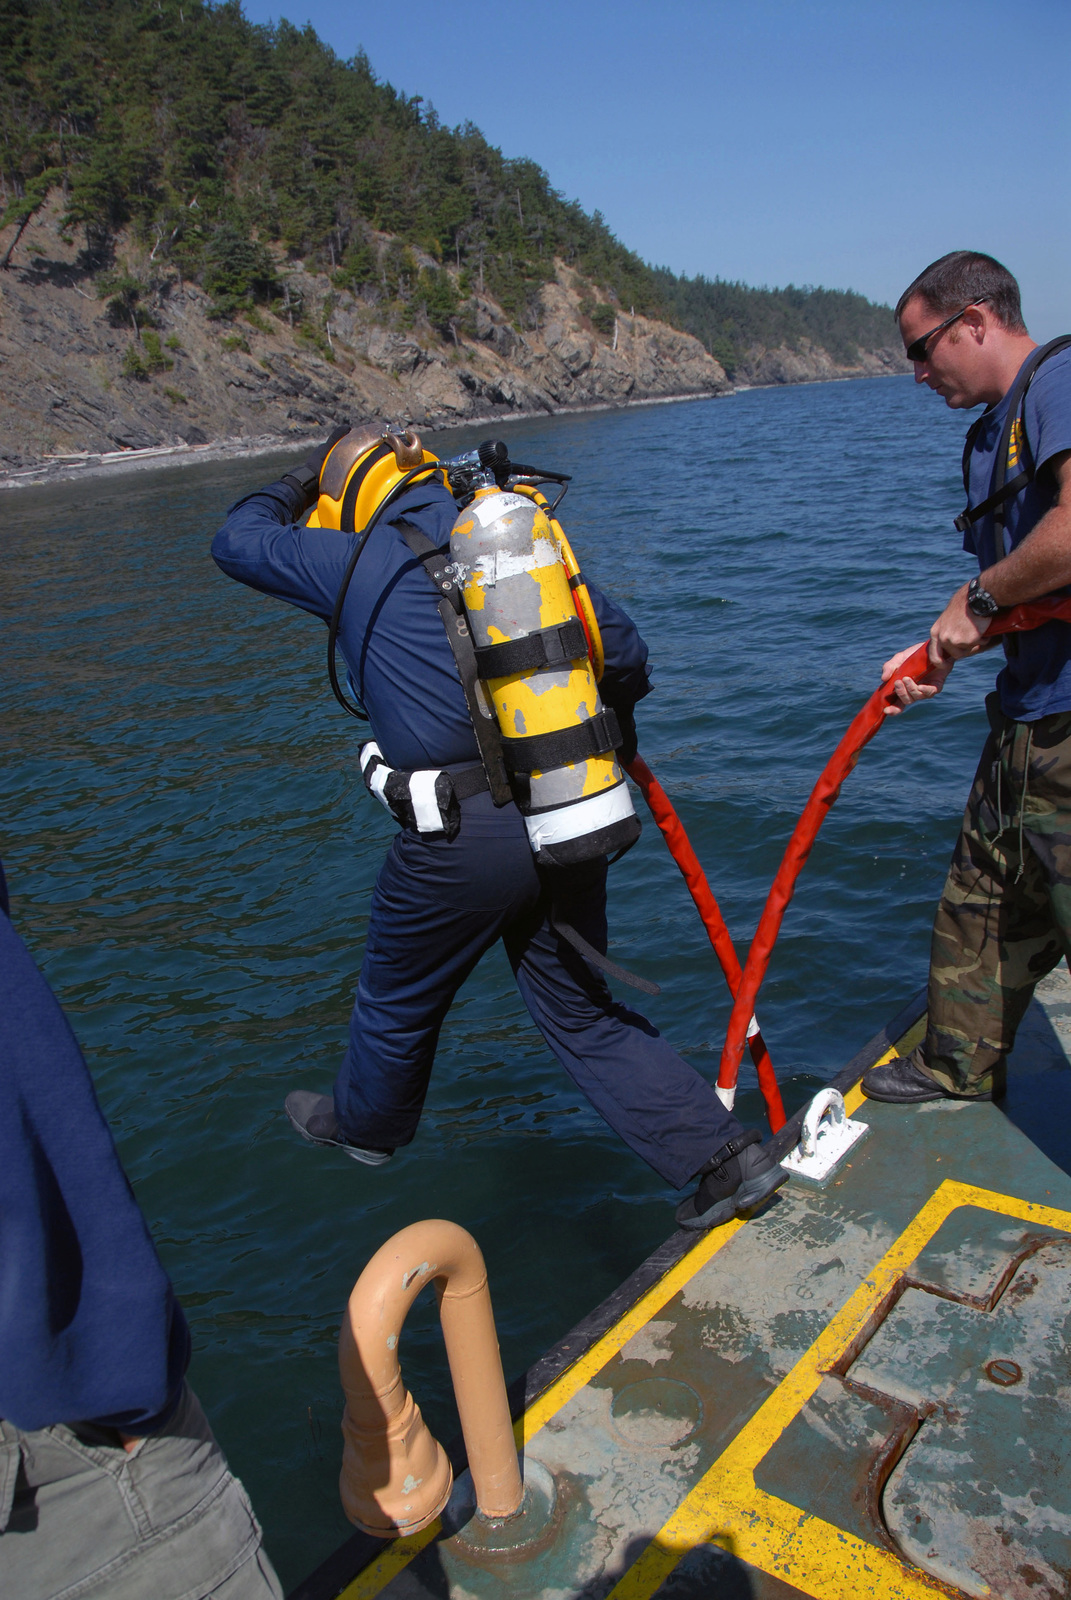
[85, 394]
[59, 469]
[89, 464]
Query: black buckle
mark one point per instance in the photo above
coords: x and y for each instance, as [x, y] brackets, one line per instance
[731, 1147]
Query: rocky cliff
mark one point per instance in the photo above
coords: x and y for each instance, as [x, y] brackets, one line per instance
[80, 377]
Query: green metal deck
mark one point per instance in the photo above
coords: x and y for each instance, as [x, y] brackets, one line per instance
[863, 1391]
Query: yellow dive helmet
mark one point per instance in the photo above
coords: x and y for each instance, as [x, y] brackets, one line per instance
[360, 472]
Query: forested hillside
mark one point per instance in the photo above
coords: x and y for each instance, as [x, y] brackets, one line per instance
[229, 150]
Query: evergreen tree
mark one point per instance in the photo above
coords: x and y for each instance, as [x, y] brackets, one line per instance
[212, 137]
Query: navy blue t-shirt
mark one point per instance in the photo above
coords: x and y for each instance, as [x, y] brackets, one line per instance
[1037, 678]
[391, 635]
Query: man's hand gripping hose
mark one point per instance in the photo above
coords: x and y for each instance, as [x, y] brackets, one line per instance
[917, 667]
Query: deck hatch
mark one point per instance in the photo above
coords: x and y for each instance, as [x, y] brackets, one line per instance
[820, 1558]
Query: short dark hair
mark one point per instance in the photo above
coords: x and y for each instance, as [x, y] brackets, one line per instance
[962, 276]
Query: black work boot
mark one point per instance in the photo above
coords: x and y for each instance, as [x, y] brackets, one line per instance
[313, 1115]
[905, 1081]
[738, 1177]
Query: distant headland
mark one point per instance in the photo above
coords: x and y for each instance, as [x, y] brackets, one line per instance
[216, 231]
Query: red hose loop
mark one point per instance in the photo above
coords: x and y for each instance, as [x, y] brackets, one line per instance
[680, 848]
[860, 731]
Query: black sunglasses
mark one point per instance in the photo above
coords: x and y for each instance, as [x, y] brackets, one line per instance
[916, 351]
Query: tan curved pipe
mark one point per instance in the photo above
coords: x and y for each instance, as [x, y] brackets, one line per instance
[395, 1475]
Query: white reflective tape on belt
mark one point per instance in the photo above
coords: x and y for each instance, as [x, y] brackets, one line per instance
[426, 812]
[583, 816]
[378, 783]
[369, 752]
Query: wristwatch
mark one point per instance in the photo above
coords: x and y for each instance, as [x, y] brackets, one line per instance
[979, 600]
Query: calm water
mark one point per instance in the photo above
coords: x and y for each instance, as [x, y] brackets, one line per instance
[191, 852]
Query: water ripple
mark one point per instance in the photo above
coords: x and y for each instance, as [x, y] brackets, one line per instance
[191, 854]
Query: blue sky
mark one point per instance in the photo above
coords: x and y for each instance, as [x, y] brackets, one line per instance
[770, 141]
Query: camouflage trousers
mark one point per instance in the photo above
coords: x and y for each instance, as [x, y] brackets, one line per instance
[1004, 919]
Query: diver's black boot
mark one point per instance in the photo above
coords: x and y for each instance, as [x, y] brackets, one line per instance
[740, 1176]
[313, 1115]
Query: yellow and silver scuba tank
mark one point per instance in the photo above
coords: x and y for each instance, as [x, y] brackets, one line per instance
[532, 652]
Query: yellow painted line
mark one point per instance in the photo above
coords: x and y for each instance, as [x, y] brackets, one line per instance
[728, 1508]
[574, 1378]
[855, 1097]
[398, 1554]
[853, 1100]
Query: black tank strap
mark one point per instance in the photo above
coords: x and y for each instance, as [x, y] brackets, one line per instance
[968, 449]
[597, 959]
[451, 608]
[1001, 488]
[559, 646]
[347, 577]
[540, 752]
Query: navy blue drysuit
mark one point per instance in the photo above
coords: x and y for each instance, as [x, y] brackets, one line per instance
[438, 906]
[89, 1327]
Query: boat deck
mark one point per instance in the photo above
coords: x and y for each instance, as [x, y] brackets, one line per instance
[865, 1390]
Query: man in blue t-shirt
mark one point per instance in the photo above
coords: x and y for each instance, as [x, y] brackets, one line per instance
[1004, 919]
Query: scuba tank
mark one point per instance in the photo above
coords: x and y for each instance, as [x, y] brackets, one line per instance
[535, 639]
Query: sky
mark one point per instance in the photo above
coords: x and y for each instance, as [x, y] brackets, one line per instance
[771, 141]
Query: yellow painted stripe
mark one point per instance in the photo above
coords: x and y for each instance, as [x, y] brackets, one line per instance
[853, 1100]
[398, 1554]
[855, 1097]
[727, 1507]
[582, 1371]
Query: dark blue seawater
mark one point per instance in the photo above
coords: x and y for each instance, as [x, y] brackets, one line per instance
[191, 851]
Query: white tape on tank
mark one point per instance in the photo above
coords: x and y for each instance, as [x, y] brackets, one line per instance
[487, 509]
[426, 812]
[496, 565]
[582, 816]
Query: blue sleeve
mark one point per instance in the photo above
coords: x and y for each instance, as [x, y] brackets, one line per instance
[626, 677]
[90, 1330]
[262, 544]
[1047, 409]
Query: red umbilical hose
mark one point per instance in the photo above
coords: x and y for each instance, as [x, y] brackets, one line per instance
[860, 731]
[680, 848]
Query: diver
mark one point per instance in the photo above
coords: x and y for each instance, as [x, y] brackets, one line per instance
[449, 889]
